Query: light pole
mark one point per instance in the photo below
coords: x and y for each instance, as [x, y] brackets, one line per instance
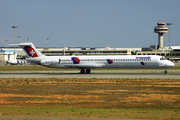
[47, 42]
[19, 37]
[6, 44]
[169, 24]
[14, 38]
[27, 39]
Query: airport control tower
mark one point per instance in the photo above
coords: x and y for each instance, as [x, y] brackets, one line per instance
[160, 29]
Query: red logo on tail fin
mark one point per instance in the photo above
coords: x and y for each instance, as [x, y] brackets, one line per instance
[31, 52]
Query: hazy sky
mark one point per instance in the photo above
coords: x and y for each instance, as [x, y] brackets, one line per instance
[88, 23]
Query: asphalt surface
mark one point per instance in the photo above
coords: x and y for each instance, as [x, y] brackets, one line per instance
[131, 74]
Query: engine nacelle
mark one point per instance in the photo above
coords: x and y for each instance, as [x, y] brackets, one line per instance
[49, 62]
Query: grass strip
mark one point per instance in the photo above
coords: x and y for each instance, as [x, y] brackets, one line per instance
[13, 110]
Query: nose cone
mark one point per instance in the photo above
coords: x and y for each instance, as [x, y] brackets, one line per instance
[170, 64]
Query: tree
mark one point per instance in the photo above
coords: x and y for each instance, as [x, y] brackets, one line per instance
[84, 53]
[70, 53]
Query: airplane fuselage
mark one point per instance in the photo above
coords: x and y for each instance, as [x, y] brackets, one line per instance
[123, 61]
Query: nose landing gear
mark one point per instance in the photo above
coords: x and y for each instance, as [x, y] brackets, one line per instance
[165, 71]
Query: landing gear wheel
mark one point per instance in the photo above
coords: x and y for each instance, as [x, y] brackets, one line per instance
[165, 72]
[88, 71]
[82, 71]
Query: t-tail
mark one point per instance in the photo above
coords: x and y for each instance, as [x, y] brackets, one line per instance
[30, 49]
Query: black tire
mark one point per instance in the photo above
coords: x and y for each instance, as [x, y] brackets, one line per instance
[82, 71]
[88, 71]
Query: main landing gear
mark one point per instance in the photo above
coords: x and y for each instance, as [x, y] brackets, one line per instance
[87, 71]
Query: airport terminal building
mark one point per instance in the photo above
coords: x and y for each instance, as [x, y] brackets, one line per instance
[6, 55]
[85, 51]
[172, 54]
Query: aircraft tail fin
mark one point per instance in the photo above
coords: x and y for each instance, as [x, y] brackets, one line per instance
[30, 49]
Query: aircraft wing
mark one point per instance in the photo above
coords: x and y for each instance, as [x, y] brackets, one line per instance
[83, 65]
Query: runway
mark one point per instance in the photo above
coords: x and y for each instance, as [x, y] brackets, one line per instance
[110, 74]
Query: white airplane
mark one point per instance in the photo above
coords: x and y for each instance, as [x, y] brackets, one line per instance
[85, 63]
[15, 62]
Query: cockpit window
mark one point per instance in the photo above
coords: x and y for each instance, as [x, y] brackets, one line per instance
[163, 58]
